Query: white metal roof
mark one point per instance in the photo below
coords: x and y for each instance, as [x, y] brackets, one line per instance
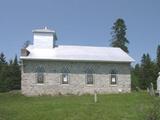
[78, 53]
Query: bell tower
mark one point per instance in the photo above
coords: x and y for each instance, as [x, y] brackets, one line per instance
[44, 38]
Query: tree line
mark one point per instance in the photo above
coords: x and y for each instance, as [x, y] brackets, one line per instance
[144, 73]
[10, 74]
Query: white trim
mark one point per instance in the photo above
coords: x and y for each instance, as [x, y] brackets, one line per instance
[113, 85]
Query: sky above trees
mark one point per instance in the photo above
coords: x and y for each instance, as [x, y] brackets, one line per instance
[80, 22]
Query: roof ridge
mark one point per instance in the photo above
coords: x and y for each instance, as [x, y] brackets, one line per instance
[87, 46]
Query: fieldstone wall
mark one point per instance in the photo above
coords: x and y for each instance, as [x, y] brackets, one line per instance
[77, 77]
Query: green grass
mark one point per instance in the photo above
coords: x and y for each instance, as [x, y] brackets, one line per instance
[133, 106]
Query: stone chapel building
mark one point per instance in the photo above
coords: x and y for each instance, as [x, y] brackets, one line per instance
[50, 69]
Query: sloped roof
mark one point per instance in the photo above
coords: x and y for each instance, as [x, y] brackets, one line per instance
[78, 53]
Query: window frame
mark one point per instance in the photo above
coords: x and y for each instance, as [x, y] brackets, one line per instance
[62, 79]
[64, 71]
[88, 82]
[113, 74]
[89, 73]
[40, 76]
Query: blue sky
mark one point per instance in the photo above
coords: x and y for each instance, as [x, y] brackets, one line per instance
[80, 22]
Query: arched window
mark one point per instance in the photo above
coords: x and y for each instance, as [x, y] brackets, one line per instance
[113, 77]
[89, 77]
[40, 74]
[65, 76]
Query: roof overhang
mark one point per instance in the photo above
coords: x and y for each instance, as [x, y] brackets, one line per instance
[74, 60]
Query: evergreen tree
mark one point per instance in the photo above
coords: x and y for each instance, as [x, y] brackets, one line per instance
[119, 35]
[137, 70]
[17, 74]
[10, 74]
[5, 80]
[15, 62]
[4, 83]
[141, 72]
[2, 59]
[147, 72]
[158, 58]
[10, 62]
[135, 75]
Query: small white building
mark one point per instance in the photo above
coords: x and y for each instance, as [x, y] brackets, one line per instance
[66, 69]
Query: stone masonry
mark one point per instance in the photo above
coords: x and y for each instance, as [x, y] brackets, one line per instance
[77, 77]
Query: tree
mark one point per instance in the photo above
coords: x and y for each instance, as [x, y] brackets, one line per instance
[10, 62]
[10, 74]
[4, 83]
[2, 59]
[119, 35]
[135, 77]
[137, 70]
[158, 58]
[15, 62]
[15, 72]
[147, 72]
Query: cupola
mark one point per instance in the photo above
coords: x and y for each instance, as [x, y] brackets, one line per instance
[44, 38]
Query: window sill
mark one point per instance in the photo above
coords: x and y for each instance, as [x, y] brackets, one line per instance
[64, 84]
[113, 85]
[89, 85]
[39, 83]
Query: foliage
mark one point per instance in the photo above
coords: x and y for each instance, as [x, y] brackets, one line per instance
[5, 82]
[2, 59]
[146, 72]
[129, 106]
[10, 74]
[135, 82]
[119, 35]
[158, 58]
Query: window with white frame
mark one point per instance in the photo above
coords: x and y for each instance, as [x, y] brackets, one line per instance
[89, 77]
[40, 74]
[65, 76]
[113, 77]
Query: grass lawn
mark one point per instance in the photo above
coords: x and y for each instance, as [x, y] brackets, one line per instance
[133, 106]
